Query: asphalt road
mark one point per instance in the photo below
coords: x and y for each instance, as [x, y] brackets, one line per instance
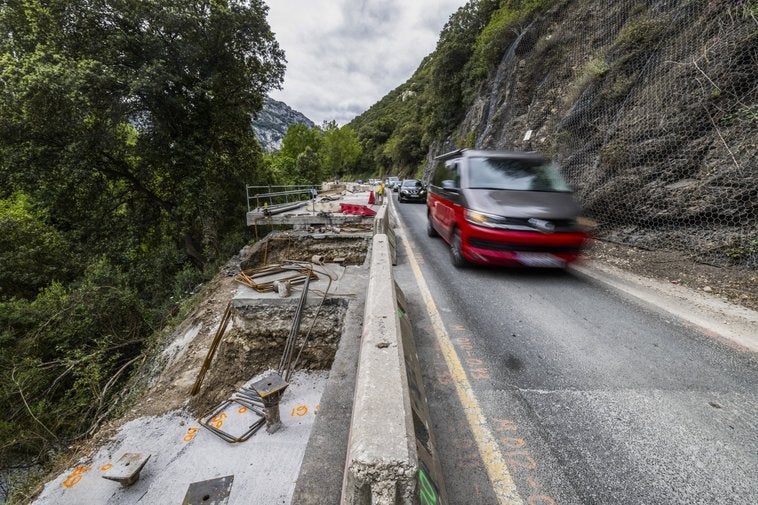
[589, 397]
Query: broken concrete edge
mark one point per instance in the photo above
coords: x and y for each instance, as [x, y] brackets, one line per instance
[382, 462]
[304, 220]
[732, 324]
[372, 486]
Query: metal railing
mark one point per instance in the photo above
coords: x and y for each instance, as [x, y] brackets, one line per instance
[274, 196]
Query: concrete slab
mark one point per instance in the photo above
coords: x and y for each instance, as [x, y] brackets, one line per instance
[127, 469]
[210, 492]
[265, 467]
[317, 212]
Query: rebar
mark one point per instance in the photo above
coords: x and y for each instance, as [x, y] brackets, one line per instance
[212, 350]
[286, 360]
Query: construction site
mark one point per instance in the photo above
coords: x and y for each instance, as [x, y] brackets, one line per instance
[252, 397]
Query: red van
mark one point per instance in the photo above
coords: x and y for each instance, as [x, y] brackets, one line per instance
[504, 208]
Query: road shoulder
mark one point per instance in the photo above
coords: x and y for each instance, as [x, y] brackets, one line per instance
[732, 324]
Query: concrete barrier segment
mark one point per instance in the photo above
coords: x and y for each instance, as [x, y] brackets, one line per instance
[383, 225]
[392, 222]
[382, 463]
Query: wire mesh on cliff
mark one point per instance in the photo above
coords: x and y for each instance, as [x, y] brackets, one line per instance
[652, 107]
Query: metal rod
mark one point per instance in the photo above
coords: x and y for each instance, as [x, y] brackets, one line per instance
[310, 328]
[289, 345]
[212, 350]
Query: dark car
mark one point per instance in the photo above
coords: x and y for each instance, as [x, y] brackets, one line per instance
[392, 182]
[504, 208]
[411, 190]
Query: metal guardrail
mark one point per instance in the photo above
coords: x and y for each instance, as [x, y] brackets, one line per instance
[272, 196]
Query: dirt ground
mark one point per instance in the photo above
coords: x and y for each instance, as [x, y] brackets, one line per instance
[736, 285]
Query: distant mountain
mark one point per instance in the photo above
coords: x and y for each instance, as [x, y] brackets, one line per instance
[272, 122]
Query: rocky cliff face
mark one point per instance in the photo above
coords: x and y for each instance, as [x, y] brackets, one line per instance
[652, 108]
[272, 122]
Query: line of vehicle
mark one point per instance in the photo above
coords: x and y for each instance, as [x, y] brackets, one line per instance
[503, 484]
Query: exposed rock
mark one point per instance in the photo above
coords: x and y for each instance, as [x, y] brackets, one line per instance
[272, 122]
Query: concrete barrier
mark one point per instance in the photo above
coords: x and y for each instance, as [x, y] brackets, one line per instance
[382, 462]
[391, 455]
[383, 225]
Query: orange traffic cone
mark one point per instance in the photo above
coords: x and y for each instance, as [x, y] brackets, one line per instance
[371, 198]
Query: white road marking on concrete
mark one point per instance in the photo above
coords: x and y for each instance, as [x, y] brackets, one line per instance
[503, 484]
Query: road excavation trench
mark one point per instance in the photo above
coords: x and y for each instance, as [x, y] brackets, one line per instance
[256, 341]
[256, 336]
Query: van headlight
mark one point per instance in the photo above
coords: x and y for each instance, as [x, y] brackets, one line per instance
[486, 220]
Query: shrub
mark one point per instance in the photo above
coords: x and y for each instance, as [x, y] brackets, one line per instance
[499, 33]
[62, 356]
[591, 71]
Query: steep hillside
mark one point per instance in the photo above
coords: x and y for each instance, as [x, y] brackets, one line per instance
[651, 106]
[271, 123]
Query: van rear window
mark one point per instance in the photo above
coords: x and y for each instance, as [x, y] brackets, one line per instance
[516, 174]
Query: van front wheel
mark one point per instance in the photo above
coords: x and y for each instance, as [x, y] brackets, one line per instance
[456, 254]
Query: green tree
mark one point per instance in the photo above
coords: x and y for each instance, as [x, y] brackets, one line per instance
[446, 99]
[118, 114]
[341, 149]
[298, 138]
[406, 148]
[32, 253]
[299, 148]
[125, 143]
[308, 167]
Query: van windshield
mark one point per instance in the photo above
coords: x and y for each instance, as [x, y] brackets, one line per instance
[516, 174]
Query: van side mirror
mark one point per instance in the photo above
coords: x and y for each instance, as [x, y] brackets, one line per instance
[449, 185]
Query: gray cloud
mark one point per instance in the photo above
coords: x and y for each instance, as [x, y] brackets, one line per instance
[343, 56]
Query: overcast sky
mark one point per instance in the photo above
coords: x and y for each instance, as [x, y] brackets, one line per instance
[344, 55]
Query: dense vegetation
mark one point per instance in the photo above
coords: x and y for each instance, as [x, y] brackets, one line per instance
[311, 155]
[125, 144]
[396, 132]
[393, 136]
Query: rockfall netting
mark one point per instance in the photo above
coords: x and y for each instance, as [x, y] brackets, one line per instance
[661, 141]
[652, 109]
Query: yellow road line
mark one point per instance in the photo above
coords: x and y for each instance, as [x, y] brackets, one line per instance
[500, 477]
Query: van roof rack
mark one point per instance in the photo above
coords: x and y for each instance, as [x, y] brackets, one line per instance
[485, 152]
[451, 154]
